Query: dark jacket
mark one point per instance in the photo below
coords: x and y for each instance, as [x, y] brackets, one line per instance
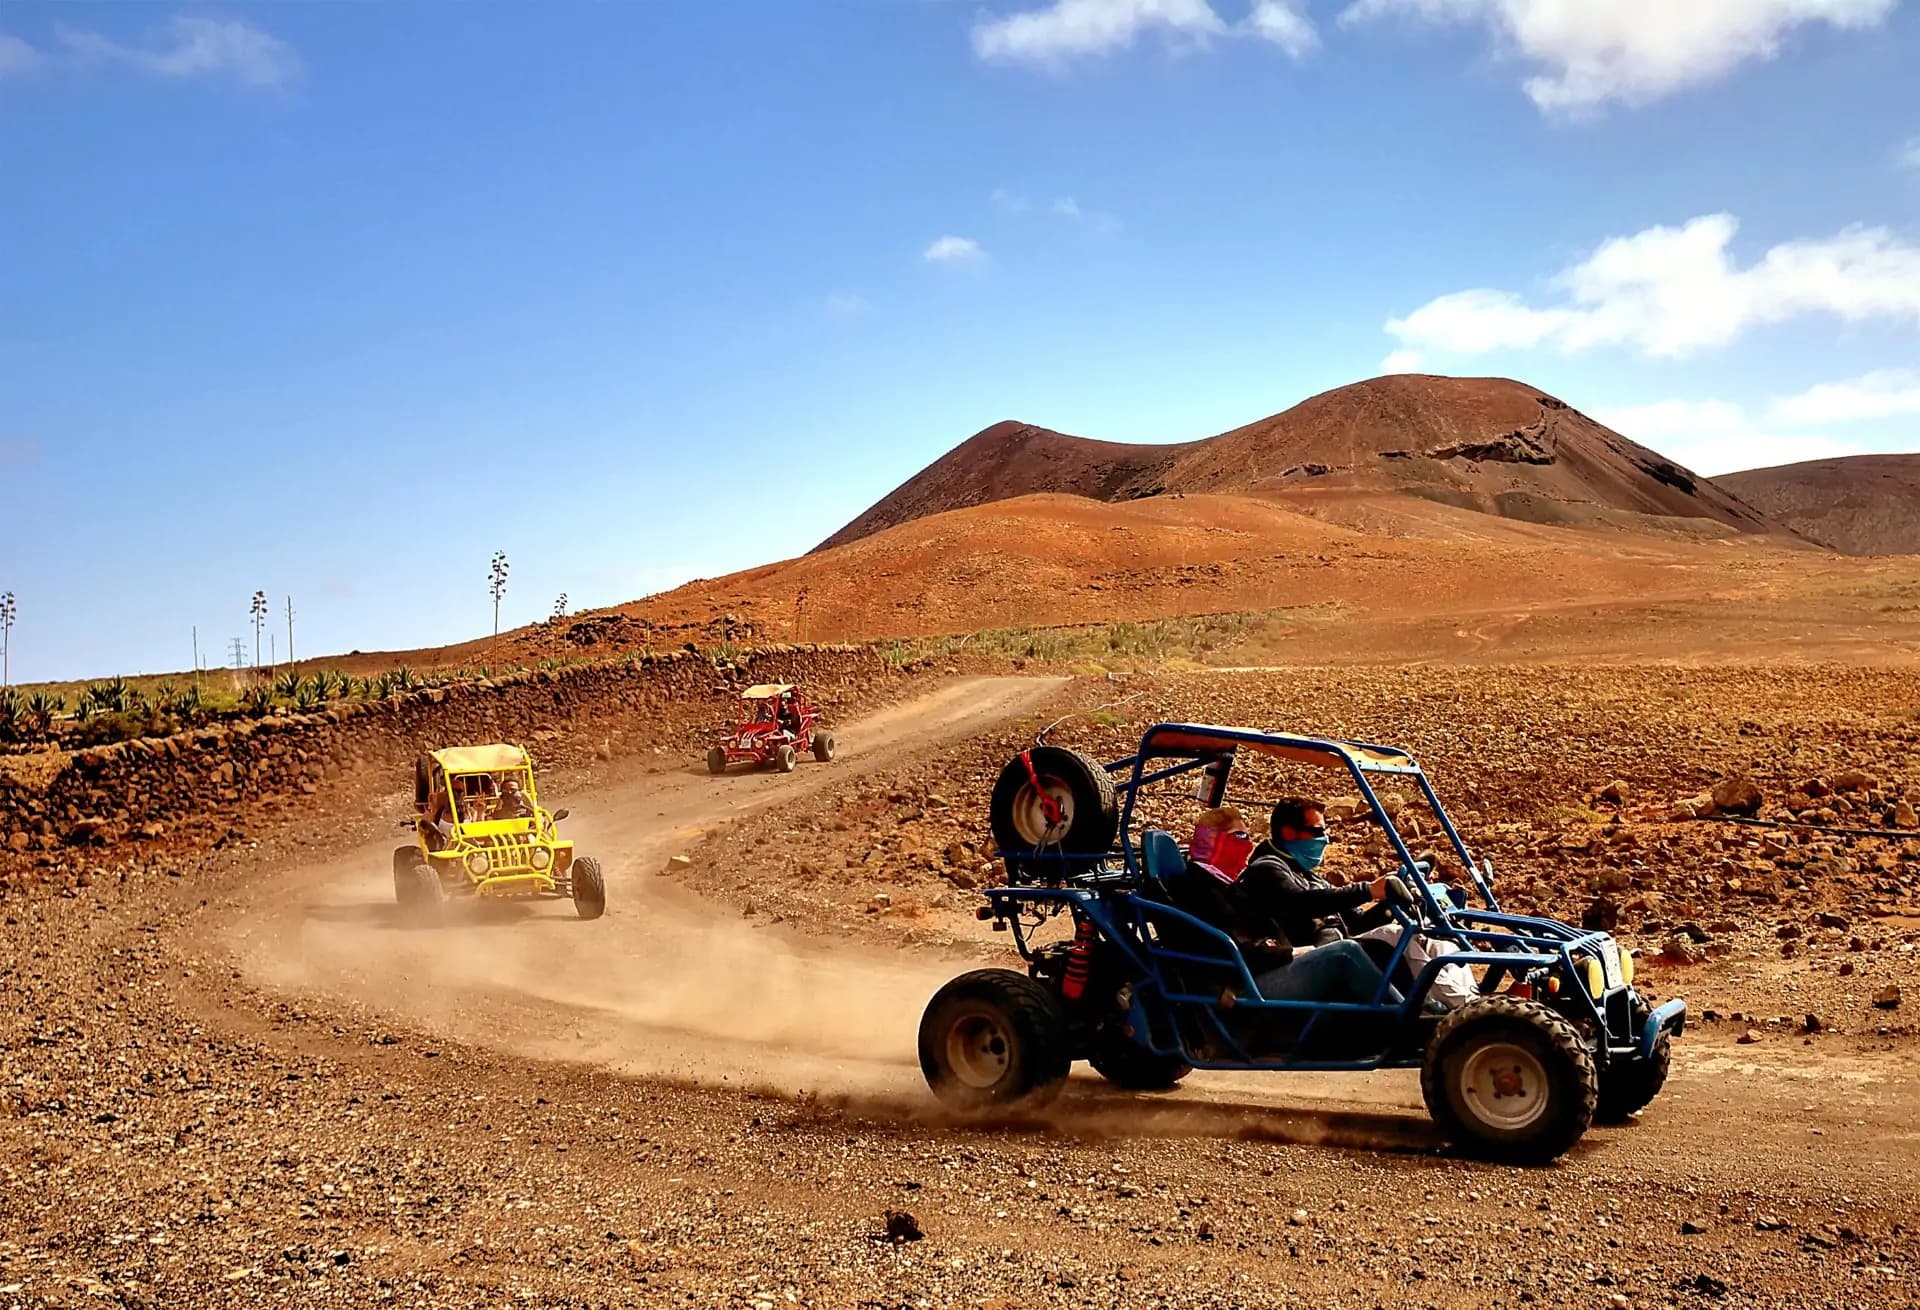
[1226, 907]
[1308, 910]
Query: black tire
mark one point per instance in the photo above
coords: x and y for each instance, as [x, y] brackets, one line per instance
[422, 781]
[823, 745]
[1629, 1087]
[716, 760]
[403, 861]
[1125, 1063]
[1526, 1046]
[589, 888]
[424, 895]
[994, 1038]
[784, 759]
[1084, 792]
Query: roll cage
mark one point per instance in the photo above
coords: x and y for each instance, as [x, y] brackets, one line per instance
[1124, 897]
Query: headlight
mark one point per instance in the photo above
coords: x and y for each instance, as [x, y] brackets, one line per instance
[1626, 967]
[540, 858]
[1596, 977]
[477, 864]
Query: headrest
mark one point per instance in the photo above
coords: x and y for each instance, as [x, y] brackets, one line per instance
[1161, 856]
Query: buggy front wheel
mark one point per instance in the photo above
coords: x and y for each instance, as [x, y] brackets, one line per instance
[589, 888]
[716, 760]
[1628, 1087]
[784, 759]
[1510, 1080]
[994, 1038]
[418, 891]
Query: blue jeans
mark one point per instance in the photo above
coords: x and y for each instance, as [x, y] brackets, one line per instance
[1338, 971]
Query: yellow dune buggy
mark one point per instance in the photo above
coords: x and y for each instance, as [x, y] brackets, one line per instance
[479, 831]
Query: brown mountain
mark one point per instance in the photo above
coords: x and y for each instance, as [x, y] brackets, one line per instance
[1489, 444]
[1859, 504]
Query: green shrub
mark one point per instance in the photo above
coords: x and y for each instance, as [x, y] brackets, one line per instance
[121, 725]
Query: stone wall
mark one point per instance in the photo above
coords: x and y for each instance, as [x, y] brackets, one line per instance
[187, 790]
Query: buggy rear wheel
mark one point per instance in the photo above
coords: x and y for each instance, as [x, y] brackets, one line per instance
[784, 759]
[717, 760]
[1123, 1062]
[1072, 810]
[589, 888]
[1510, 1080]
[994, 1038]
[823, 745]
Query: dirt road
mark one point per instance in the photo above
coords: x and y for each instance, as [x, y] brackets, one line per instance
[264, 1090]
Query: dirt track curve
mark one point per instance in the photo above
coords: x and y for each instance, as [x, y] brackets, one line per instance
[240, 1089]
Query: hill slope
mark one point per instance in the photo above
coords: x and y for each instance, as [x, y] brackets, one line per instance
[1859, 504]
[1488, 444]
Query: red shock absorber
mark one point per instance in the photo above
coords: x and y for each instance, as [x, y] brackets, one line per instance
[1079, 961]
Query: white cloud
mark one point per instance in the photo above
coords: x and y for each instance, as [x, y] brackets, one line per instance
[1283, 23]
[16, 56]
[1909, 154]
[1064, 30]
[198, 47]
[1008, 202]
[847, 304]
[1403, 361]
[1631, 51]
[954, 250]
[1885, 393]
[1668, 292]
[1712, 437]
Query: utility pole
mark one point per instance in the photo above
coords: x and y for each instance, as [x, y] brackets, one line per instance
[239, 654]
[196, 654]
[290, 659]
[7, 611]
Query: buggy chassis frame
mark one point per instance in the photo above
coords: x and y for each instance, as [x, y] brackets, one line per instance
[1116, 900]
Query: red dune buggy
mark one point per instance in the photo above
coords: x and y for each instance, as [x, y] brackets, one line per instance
[777, 722]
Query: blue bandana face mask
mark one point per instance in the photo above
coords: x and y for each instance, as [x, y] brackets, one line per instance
[1307, 852]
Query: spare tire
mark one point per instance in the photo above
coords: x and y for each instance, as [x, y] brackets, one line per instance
[1085, 818]
[422, 779]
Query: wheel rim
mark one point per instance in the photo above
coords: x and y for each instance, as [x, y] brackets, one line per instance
[1504, 1086]
[1030, 812]
[979, 1051]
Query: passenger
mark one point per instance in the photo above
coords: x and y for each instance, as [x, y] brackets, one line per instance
[789, 715]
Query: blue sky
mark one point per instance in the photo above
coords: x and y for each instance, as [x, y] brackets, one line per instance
[336, 300]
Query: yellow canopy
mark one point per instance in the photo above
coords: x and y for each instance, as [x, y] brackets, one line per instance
[481, 759]
[766, 690]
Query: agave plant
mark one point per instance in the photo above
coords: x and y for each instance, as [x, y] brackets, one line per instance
[287, 686]
[404, 679]
[12, 714]
[39, 711]
[113, 696]
[257, 699]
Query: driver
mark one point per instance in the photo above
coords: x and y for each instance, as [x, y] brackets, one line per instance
[1282, 878]
[789, 715]
[513, 800]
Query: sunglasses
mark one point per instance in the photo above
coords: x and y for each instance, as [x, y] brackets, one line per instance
[1318, 830]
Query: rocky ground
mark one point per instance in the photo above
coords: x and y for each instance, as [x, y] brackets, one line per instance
[173, 1133]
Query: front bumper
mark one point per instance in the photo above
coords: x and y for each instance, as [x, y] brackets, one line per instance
[1671, 1017]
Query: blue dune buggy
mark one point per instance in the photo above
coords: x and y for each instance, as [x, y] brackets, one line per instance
[1147, 991]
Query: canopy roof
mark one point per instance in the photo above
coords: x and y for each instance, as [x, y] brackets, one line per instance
[766, 690]
[1320, 752]
[481, 759]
